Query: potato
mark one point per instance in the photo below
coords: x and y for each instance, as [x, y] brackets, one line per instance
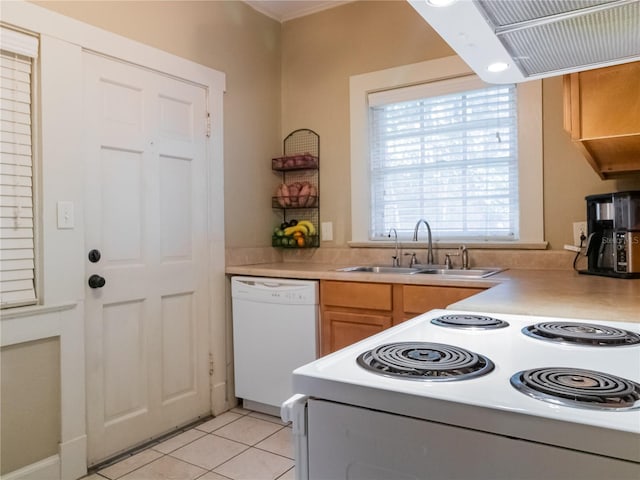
[303, 196]
[313, 196]
[280, 196]
[285, 195]
[294, 190]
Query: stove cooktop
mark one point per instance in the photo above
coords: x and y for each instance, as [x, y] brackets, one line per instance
[469, 322]
[582, 333]
[424, 361]
[578, 388]
[489, 402]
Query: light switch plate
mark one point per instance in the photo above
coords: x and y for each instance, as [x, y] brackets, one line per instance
[65, 215]
[326, 230]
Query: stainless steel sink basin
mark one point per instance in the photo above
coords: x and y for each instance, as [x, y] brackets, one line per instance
[379, 269]
[424, 269]
[455, 272]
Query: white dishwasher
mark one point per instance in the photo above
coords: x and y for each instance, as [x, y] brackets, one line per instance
[274, 332]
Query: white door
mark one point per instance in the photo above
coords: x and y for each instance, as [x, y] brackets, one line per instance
[146, 215]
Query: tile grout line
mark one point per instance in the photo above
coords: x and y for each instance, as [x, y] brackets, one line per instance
[274, 453]
[146, 446]
[249, 447]
[135, 469]
[244, 451]
[286, 472]
[212, 433]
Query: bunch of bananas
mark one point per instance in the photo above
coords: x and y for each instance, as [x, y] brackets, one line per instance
[303, 226]
[294, 234]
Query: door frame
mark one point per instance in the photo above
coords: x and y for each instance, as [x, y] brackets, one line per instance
[62, 41]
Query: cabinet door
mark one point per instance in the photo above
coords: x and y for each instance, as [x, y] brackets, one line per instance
[418, 299]
[342, 328]
[602, 114]
[608, 101]
[372, 296]
[351, 311]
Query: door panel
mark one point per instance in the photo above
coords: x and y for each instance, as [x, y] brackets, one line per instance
[146, 211]
[121, 205]
[178, 347]
[124, 360]
[123, 107]
[175, 208]
[176, 118]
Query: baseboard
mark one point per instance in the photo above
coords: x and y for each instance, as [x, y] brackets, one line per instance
[47, 469]
[219, 401]
[73, 458]
[261, 407]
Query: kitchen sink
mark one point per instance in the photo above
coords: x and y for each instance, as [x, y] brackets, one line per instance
[456, 272]
[380, 269]
[426, 270]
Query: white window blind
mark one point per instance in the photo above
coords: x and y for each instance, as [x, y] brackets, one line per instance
[445, 152]
[17, 250]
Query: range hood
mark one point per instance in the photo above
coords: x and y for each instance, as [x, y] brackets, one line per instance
[531, 39]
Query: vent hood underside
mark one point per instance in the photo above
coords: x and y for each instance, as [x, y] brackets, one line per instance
[537, 38]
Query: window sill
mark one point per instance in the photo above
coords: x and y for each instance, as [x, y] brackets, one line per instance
[450, 244]
[33, 310]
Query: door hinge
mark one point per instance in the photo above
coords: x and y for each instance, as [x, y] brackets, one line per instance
[208, 125]
[211, 365]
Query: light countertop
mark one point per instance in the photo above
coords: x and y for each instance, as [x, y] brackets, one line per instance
[555, 293]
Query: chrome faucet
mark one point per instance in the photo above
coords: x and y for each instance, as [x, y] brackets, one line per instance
[463, 253]
[413, 260]
[415, 239]
[447, 261]
[465, 257]
[396, 257]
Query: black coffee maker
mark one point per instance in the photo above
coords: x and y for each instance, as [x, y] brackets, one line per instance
[613, 241]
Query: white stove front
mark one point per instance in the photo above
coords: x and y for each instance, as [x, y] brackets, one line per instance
[489, 403]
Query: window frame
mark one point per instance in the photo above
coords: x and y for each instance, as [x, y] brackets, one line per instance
[530, 159]
[27, 45]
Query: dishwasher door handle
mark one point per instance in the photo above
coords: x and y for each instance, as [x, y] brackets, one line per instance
[266, 285]
[270, 284]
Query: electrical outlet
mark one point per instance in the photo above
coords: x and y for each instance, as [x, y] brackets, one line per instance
[579, 228]
[326, 230]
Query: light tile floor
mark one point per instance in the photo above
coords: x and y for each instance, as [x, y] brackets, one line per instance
[237, 445]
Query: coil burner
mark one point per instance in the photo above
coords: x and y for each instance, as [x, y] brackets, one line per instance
[582, 334]
[579, 388]
[424, 361]
[469, 322]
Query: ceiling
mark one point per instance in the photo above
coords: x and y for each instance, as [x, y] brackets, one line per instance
[283, 10]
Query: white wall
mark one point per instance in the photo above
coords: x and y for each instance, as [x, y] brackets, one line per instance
[62, 253]
[59, 174]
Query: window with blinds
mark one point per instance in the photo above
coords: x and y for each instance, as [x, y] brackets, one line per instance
[17, 248]
[445, 152]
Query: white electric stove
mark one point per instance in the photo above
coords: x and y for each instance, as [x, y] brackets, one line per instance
[467, 405]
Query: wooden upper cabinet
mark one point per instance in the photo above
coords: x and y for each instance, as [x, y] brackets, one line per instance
[602, 114]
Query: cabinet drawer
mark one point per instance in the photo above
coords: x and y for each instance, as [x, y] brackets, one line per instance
[372, 296]
[420, 299]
